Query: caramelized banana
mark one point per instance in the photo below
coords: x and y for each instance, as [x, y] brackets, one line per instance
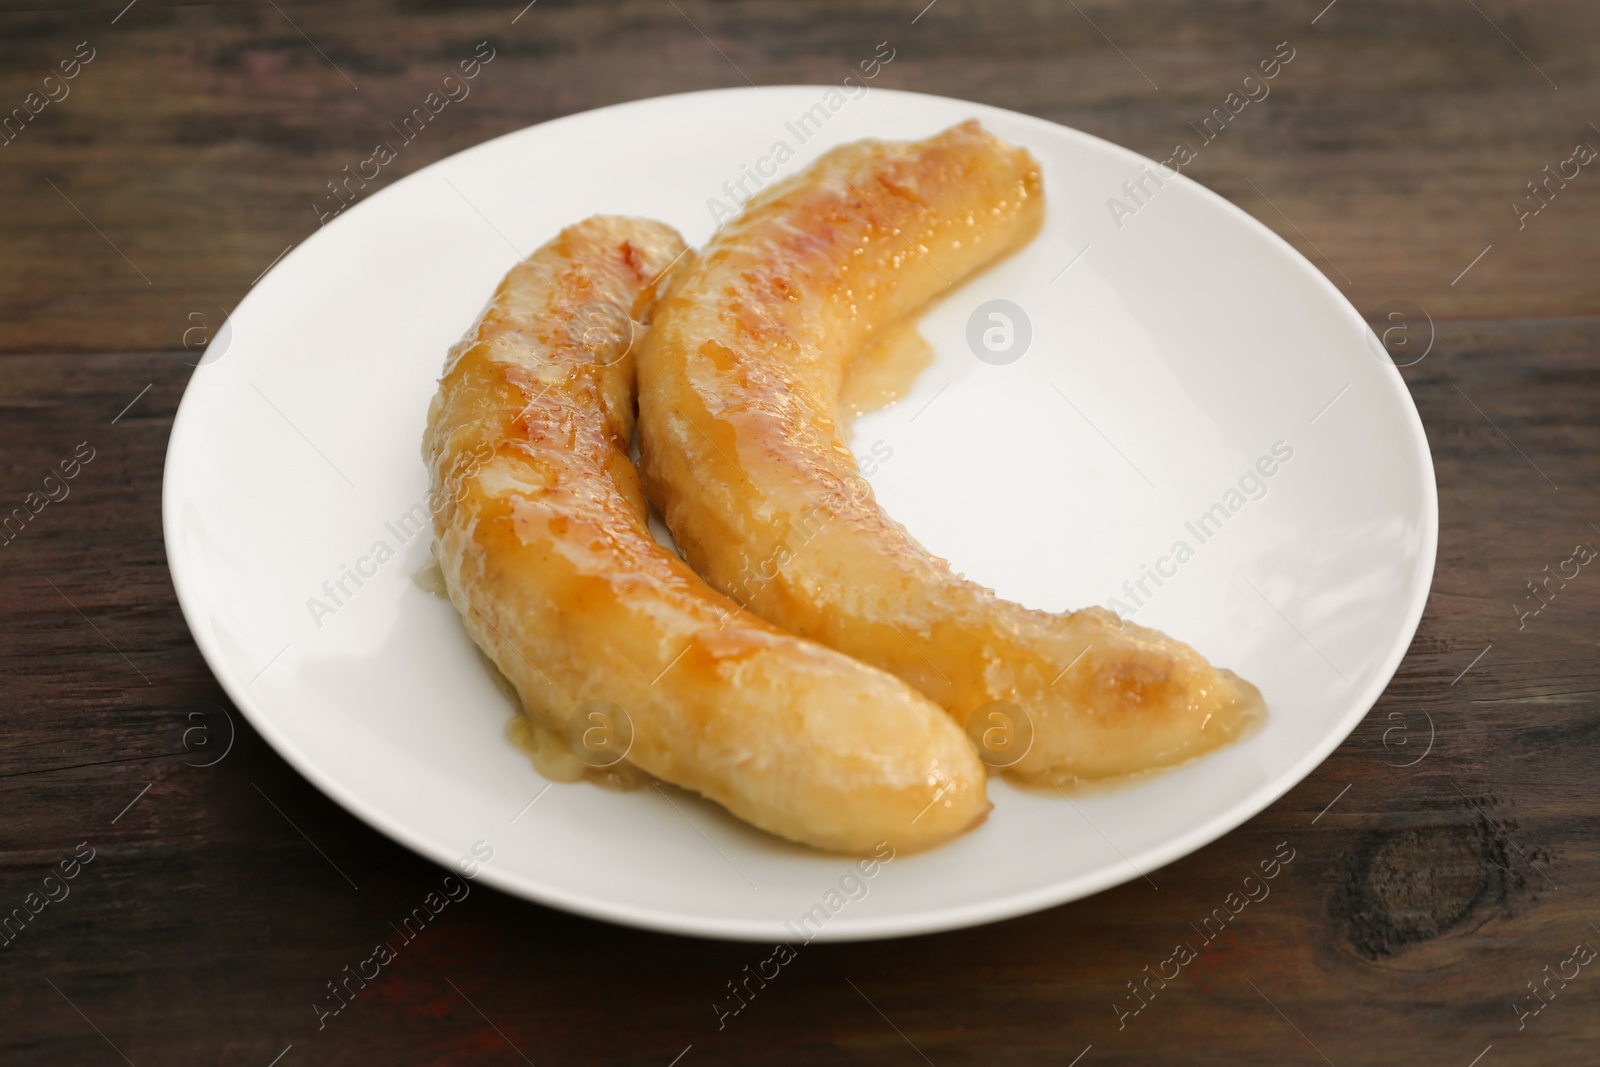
[543, 543]
[739, 436]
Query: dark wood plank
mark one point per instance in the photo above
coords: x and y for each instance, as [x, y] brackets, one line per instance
[197, 140]
[1412, 914]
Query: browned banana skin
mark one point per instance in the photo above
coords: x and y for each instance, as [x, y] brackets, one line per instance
[545, 550]
[740, 448]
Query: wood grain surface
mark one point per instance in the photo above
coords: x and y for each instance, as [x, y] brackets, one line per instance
[1430, 883]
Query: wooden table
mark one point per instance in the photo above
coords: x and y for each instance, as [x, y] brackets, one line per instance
[1429, 885]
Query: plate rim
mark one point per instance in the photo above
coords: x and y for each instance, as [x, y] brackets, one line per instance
[930, 921]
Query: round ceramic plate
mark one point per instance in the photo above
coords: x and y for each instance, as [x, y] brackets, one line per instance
[1171, 412]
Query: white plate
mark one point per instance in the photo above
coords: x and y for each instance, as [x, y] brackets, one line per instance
[1189, 340]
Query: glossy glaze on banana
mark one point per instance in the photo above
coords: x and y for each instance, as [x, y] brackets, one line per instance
[740, 449]
[543, 543]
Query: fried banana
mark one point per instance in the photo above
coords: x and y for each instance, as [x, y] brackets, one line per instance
[543, 544]
[740, 447]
